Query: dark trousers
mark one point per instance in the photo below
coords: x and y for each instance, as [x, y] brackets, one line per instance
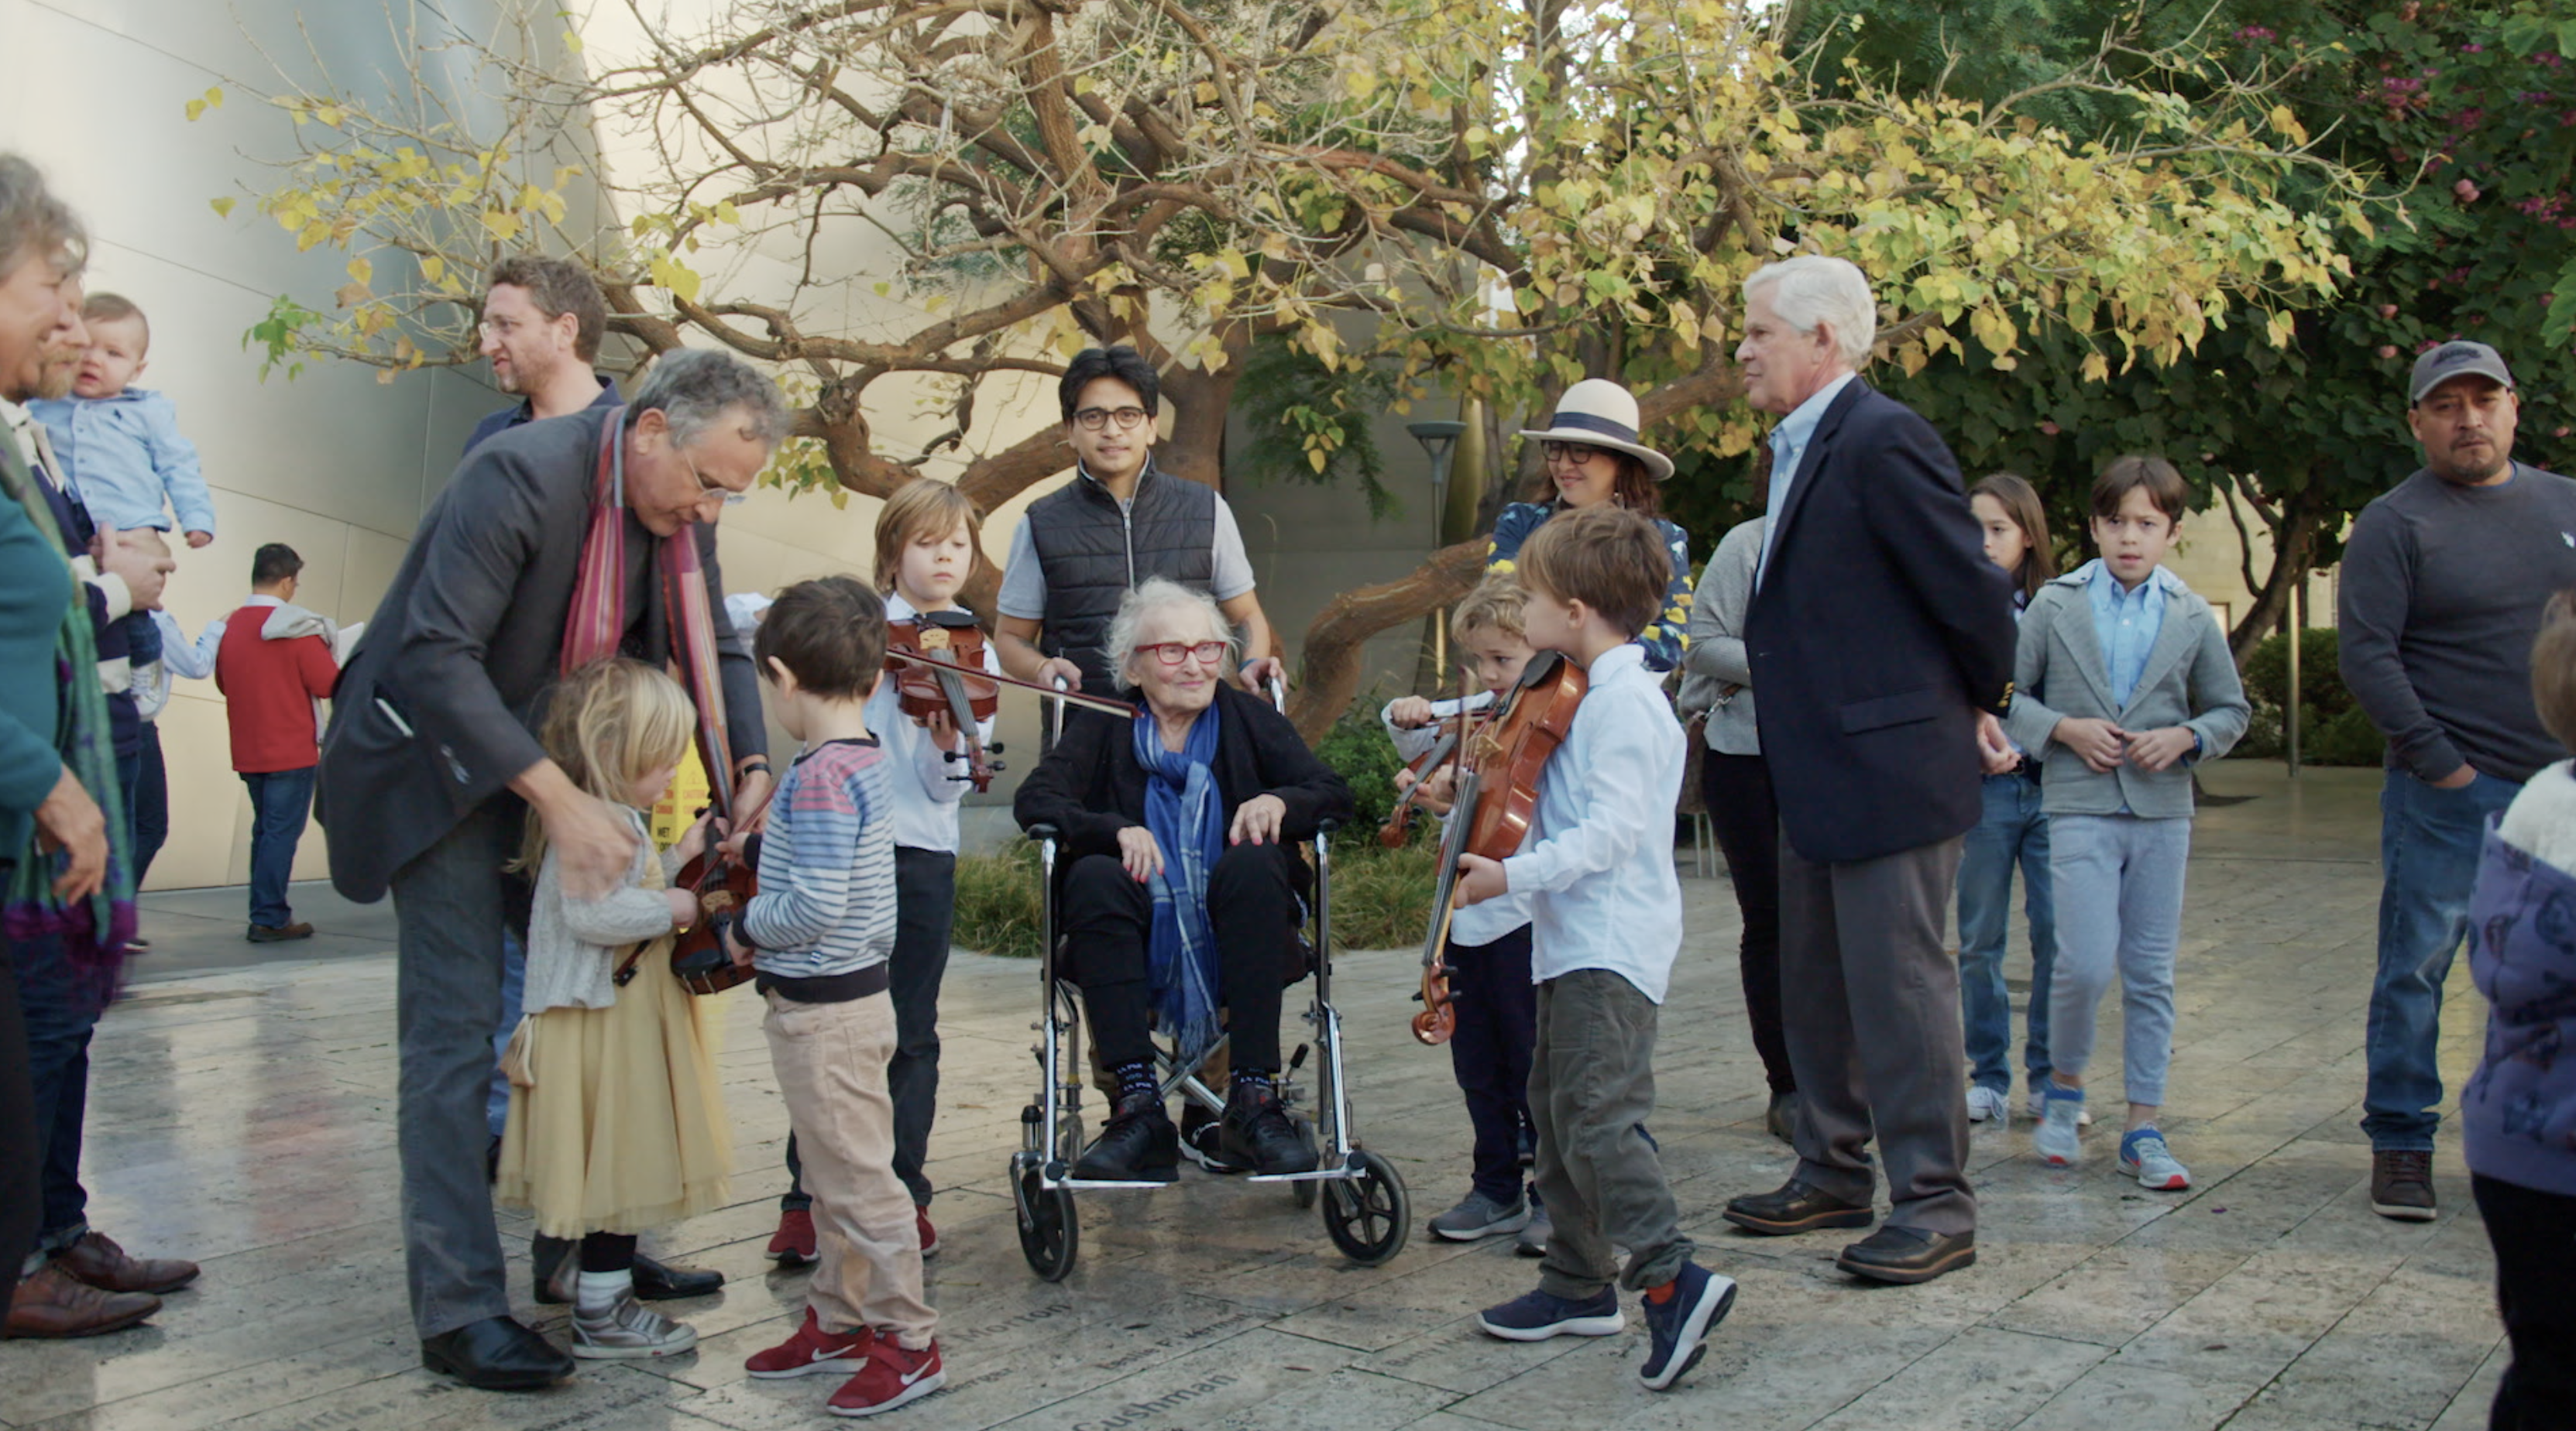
[280, 803]
[21, 1144]
[1490, 1053]
[925, 910]
[2534, 1236]
[58, 1027]
[1870, 998]
[147, 797]
[1746, 817]
[450, 907]
[1108, 918]
[1592, 1083]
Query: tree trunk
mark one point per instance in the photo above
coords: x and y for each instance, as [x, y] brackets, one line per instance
[1328, 674]
[2294, 554]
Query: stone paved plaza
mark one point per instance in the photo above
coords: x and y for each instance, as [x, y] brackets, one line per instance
[245, 1118]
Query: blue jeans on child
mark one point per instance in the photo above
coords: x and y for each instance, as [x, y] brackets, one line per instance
[2428, 857]
[280, 803]
[2119, 882]
[2013, 831]
[1490, 1054]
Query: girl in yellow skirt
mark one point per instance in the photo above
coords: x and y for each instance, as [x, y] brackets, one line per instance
[616, 1119]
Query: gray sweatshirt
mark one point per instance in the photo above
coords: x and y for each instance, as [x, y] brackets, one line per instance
[2441, 593]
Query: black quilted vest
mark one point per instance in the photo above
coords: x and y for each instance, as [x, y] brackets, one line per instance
[1092, 553]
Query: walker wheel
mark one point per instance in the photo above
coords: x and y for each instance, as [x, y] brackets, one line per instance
[1368, 1215]
[1050, 1233]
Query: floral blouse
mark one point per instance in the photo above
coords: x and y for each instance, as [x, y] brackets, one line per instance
[1664, 638]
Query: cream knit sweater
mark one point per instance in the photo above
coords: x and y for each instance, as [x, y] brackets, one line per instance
[574, 944]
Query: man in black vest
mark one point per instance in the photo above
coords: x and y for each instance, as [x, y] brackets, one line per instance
[1120, 520]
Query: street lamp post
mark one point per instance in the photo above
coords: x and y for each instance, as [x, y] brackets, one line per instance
[1439, 440]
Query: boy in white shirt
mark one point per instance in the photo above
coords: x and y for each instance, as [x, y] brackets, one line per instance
[1606, 923]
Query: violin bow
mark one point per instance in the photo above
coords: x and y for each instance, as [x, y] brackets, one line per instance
[1102, 704]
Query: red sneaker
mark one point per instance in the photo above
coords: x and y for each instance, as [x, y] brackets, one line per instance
[793, 1245]
[929, 1234]
[891, 1378]
[813, 1349]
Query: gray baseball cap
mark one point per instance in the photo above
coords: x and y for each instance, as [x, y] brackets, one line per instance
[2451, 360]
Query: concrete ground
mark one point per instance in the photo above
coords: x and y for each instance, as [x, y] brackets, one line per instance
[243, 1110]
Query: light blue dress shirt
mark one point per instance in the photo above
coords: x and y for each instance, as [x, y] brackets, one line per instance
[2126, 623]
[1788, 448]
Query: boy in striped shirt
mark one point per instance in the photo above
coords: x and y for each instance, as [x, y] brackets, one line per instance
[819, 933]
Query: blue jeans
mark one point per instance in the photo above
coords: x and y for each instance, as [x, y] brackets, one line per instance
[2013, 831]
[514, 983]
[280, 802]
[148, 796]
[2120, 880]
[58, 1032]
[2428, 858]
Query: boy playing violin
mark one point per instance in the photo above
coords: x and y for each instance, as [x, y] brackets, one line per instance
[928, 545]
[1606, 923]
[1489, 944]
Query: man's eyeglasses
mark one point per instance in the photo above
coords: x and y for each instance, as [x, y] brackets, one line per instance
[705, 487]
[1095, 418]
[1576, 453]
[1171, 653]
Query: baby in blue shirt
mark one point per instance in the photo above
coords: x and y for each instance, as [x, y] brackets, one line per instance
[120, 443]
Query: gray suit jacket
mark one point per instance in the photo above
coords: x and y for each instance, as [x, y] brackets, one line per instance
[2059, 672]
[1716, 659]
[436, 710]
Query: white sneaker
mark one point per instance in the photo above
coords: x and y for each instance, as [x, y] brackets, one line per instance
[629, 1330]
[1988, 1105]
[2056, 1140]
[2144, 1156]
[2039, 1106]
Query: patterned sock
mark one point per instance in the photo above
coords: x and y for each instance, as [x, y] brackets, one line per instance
[1135, 1079]
[1251, 1084]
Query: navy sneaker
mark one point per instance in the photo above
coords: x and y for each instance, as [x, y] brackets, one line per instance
[1678, 1327]
[1537, 1316]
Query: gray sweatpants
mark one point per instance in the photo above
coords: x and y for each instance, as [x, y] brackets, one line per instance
[448, 918]
[2118, 880]
[1591, 1086]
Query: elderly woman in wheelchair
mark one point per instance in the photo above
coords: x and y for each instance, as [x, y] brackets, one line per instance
[1178, 884]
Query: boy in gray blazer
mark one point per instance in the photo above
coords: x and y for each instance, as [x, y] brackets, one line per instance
[2123, 678]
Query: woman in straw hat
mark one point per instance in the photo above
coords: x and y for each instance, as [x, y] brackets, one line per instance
[1591, 456]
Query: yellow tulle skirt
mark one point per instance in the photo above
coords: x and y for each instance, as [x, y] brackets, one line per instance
[624, 1130]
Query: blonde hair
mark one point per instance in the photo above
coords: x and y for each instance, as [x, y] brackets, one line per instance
[608, 724]
[2553, 669]
[924, 507]
[1496, 604]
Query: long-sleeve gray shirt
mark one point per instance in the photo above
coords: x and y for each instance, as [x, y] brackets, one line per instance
[2441, 593]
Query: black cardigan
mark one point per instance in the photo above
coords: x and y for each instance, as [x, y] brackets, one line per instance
[1090, 787]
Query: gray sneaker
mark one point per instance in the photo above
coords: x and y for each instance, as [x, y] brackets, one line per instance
[1479, 1217]
[629, 1331]
[1533, 1238]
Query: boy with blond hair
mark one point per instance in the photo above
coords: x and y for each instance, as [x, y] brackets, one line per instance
[1606, 923]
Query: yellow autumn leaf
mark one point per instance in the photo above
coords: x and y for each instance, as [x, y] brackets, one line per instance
[361, 271]
[502, 225]
[432, 267]
[223, 207]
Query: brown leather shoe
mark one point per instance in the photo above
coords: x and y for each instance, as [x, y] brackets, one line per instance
[97, 1260]
[52, 1303]
[264, 934]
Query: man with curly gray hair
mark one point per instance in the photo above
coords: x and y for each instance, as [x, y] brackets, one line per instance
[431, 767]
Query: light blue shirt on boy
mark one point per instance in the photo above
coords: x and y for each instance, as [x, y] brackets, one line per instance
[1598, 864]
[127, 459]
[2127, 623]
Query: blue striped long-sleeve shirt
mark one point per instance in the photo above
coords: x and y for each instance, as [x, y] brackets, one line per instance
[826, 901]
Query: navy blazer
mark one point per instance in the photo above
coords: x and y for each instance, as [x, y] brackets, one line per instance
[1878, 632]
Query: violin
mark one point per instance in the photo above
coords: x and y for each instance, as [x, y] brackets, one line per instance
[1496, 800]
[722, 883]
[1399, 821]
[946, 677]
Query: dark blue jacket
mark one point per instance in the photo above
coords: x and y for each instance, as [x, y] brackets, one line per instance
[526, 411]
[1878, 632]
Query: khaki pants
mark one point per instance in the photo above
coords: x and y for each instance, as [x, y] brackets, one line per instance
[831, 1064]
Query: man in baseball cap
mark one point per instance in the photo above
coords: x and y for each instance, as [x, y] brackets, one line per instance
[2443, 583]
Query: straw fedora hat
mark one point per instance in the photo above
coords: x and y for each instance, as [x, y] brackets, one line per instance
[1600, 413]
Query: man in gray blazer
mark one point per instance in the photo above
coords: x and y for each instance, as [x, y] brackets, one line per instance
[431, 766]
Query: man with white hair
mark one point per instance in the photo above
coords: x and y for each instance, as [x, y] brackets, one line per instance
[1881, 640]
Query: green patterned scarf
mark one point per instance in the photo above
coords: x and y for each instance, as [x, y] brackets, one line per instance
[94, 931]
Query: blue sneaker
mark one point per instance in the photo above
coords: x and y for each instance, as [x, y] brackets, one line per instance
[1537, 1316]
[2056, 1138]
[1678, 1329]
[2144, 1156]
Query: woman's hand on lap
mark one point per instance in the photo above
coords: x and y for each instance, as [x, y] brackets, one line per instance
[1257, 820]
[1138, 852]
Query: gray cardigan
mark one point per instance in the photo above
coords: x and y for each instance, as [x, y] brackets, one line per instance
[2059, 672]
[1715, 660]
